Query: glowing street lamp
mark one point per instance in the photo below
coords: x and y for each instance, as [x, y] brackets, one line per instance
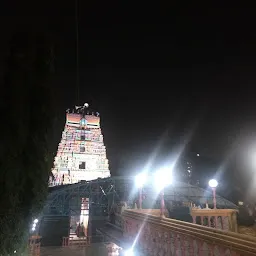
[140, 181]
[129, 252]
[163, 177]
[213, 184]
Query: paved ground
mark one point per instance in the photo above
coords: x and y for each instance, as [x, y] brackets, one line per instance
[58, 251]
[95, 250]
[249, 231]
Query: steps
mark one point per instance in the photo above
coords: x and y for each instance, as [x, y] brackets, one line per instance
[78, 241]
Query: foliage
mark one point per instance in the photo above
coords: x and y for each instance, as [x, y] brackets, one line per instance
[28, 120]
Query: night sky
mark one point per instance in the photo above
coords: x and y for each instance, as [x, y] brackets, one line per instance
[161, 76]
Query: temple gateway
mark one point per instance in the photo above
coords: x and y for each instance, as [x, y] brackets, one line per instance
[81, 153]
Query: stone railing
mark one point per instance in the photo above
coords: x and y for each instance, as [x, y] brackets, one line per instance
[156, 236]
[225, 219]
[34, 246]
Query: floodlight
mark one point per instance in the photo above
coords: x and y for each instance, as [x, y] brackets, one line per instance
[163, 177]
[129, 252]
[213, 183]
[141, 179]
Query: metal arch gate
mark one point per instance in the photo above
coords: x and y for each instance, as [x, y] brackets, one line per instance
[65, 201]
[102, 192]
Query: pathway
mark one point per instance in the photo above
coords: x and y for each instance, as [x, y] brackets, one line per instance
[95, 250]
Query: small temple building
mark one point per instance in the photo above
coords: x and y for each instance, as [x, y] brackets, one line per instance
[81, 153]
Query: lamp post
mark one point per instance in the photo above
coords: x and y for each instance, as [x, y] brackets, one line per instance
[140, 181]
[140, 198]
[163, 177]
[129, 252]
[213, 184]
[162, 204]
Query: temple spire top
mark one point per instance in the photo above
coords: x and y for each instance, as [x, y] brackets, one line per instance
[80, 110]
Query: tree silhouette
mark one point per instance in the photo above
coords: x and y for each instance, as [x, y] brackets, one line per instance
[29, 126]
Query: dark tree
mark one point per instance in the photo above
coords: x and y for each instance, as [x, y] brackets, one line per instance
[30, 132]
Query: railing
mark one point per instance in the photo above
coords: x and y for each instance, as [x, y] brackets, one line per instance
[81, 241]
[65, 241]
[34, 246]
[156, 236]
[224, 219]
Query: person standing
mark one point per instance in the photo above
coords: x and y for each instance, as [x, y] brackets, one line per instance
[78, 228]
[82, 234]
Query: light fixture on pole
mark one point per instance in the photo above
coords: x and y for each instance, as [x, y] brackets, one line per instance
[129, 252]
[213, 184]
[163, 177]
[140, 181]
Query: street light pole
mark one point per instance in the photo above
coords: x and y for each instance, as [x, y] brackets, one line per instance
[214, 198]
[140, 180]
[140, 199]
[163, 177]
[162, 208]
[213, 184]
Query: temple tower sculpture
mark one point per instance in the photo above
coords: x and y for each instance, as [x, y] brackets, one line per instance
[81, 153]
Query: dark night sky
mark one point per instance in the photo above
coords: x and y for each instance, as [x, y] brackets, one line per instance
[156, 73]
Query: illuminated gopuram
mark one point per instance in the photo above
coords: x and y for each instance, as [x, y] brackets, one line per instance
[81, 153]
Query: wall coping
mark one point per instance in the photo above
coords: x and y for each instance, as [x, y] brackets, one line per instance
[212, 212]
[243, 244]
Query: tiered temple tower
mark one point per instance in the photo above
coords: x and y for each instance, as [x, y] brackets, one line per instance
[81, 153]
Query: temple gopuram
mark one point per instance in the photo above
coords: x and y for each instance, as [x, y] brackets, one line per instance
[81, 153]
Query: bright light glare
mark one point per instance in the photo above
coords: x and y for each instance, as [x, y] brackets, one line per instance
[141, 179]
[34, 225]
[213, 183]
[129, 253]
[163, 177]
[33, 229]
[36, 221]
